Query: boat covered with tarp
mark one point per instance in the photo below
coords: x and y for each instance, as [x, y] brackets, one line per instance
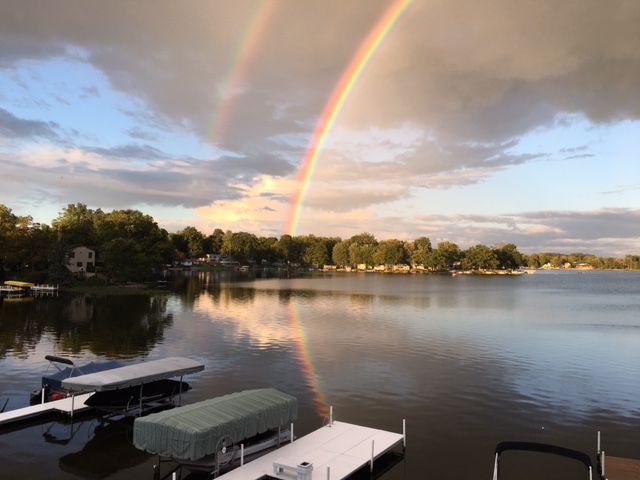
[194, 431]
[130, 387]
[52, 388]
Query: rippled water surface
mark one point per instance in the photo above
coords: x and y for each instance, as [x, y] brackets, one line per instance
[468, 361]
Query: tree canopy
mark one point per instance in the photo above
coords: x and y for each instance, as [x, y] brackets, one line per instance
[131, 246]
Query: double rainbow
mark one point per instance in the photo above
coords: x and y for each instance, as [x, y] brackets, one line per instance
[245, 53]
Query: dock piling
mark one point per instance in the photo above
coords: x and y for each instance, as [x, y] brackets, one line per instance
[373, 449]
[404, 433]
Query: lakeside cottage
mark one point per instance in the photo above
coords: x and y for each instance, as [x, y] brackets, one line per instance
[81, 259]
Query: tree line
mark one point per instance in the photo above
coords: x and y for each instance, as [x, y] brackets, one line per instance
[131, 245]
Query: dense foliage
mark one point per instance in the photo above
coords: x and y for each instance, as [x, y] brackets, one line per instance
[131, 246]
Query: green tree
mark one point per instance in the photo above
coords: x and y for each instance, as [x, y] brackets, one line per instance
[508, 256]
[450, 252]
[8, 223]
[361, 254]
[316, 252]
[147, 245]
[340, 254]
[33, 242]
[59, 274]
[195, 242]
[389, 252]
[216, 239]
[481, 257]
[421, 251]
[631, 262]
[289, 248]
[241, 246]
[76, 223]
[361, 248]
[266, 251]
[436, 261]
[364, 239]
[124, 261]
[558, 260]
[180, 243]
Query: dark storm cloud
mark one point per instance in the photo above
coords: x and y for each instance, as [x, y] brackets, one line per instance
[12, 127]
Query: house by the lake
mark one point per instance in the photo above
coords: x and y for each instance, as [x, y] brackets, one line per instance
[81, 259]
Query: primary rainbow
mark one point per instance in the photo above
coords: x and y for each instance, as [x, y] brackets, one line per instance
[308, 369]
[336, 102]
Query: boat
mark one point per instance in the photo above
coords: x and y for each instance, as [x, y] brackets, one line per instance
[18, 284]
[136, 389]
[218, 434]
[541, 448]
[124, 398]
[52, 388]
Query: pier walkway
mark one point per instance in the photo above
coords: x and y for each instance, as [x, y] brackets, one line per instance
[622, 469]
[69, 405]
[334, 452]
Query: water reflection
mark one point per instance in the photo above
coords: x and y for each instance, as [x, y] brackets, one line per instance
[110, 326]
[468, 361]
[109, 450]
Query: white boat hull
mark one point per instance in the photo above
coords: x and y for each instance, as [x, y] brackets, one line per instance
[231, 457]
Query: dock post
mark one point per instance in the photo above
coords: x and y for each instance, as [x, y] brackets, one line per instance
[73, 403]
[291, 441]
[373, 443]
[42, 395]
[241, 454]
[328, 473]
[331, 415]
[404, 433]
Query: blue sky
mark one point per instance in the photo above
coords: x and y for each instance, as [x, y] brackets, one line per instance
[471, 123]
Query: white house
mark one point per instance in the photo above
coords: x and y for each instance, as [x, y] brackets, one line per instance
[81, 259]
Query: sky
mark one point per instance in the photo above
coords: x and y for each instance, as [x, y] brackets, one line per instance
[470, 122]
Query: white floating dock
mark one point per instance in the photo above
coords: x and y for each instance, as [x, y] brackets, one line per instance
[332, 452]
[68, 405]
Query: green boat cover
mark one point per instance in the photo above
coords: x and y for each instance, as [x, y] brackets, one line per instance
[194, 431]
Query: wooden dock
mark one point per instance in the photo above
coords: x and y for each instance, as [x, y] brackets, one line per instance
[69, 406]
[617, 468]
[334, 452]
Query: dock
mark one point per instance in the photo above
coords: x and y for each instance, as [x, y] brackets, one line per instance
[617, 468]
[333, 452]
[68, 405]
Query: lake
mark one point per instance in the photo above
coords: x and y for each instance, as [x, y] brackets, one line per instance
[468, 361]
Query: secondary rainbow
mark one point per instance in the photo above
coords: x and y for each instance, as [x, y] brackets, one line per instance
[245, 52]
[336, 102]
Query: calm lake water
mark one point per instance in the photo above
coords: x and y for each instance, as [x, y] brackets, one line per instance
[468, 361]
